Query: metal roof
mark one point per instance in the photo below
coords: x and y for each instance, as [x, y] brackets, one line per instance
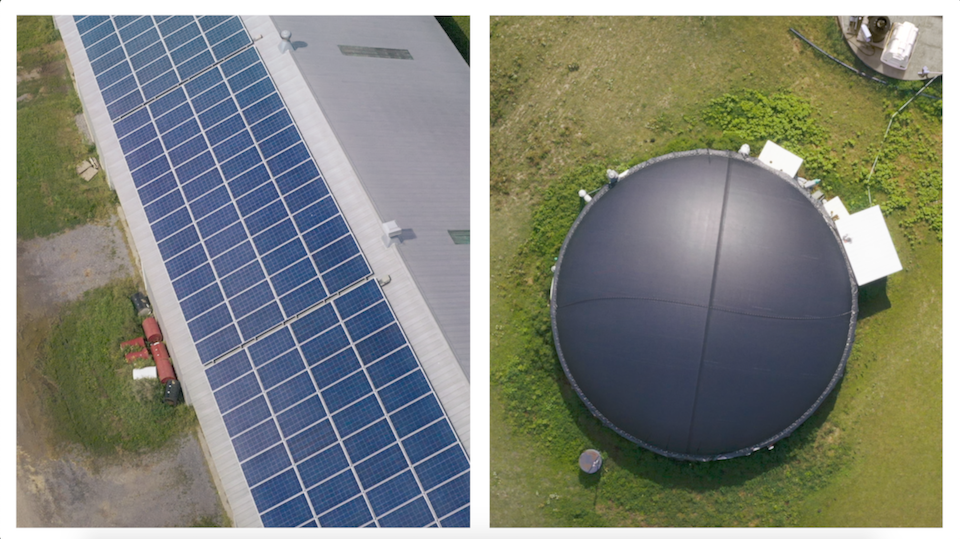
[404, 125]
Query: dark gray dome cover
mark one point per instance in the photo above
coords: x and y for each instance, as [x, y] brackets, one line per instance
[703, 307]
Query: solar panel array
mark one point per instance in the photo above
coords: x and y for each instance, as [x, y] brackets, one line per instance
[328, 410]
[371, 442]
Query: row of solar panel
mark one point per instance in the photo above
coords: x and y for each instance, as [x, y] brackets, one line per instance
[136, 59]
[257, 248]
[335, 405]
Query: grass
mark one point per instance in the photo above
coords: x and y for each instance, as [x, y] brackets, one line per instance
[571, 97]
[51, 196]
[34, 32]
[210, 521]
[458, 29]
[95, 401]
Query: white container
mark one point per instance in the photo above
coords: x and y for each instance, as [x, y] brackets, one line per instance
[146, 372]
[899, 48]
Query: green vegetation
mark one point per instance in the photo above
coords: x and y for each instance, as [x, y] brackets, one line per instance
[95, 401]
[35, 32]
[209, 521]
[568, 102]
[51, 196]
[458, 30]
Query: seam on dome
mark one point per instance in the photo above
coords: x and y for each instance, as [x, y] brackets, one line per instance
[713, 288]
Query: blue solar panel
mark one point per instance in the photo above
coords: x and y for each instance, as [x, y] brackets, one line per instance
[193, 281]
[240, 390]
[157, 188]
[325, 345]
[134, 43]
[352, 513]
[415, 514]
[280, 369]
[451, 496]
[228, 369]
[259, 321]
[404, 391]
[247, 415]
[357, 416]
[291, 391]
[85, 24]
[225, 240]
[393, 493]
[381, 466]
[429, 441]
[256, 440]
[346, 391]
[266, 464]
[311, 440]
[276, 490]
[210, 21]
[392, 366]
[251, 238]
[307, 327]
[292, 277]
[333, 491]
[416, 415]
[131, 27]
[219, 343]
[292, 513]
[322, 465]
[459, 519]
[201, 302]
[442, 467]
[369, 440]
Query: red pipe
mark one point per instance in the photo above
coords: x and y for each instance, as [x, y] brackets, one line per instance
[152, 330]
[159, 351]
[140, 354]
[138, 342]
[164, 370]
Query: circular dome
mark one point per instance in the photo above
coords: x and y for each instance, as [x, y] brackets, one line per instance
[703, 306]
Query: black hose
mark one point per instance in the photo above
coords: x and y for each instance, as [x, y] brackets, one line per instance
[825, 53]
[855, 70]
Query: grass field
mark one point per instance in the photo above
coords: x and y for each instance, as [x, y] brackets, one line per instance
[51, 196]
[96, 402]
[571, 97]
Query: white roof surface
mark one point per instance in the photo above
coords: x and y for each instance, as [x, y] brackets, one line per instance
[869, 245]
[775, 156]
[836, 208]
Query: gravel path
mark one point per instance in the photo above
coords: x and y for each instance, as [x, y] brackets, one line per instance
[62, 267]
[165, 488]
[60, 484]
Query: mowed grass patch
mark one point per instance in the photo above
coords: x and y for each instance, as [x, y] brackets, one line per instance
[95, 401]
[891, 405]
[553, 134]
[51, 196]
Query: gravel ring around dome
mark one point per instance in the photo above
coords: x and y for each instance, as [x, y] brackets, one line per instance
[787, 428]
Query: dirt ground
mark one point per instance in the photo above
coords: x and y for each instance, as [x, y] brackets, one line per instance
[60, 484]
